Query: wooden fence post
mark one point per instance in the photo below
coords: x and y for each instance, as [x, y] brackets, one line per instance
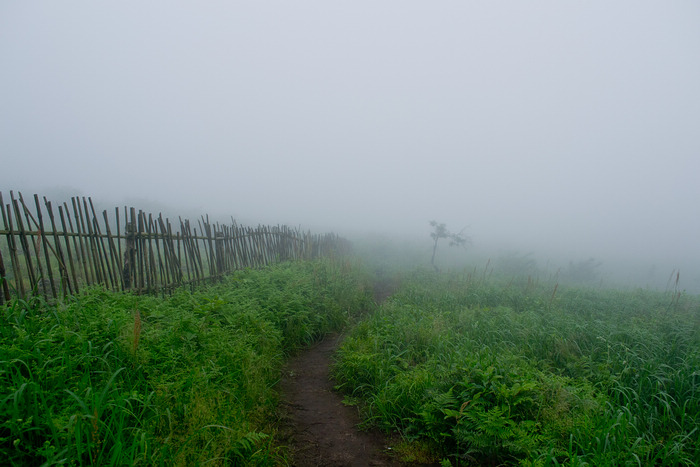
[129, 254]
[219, 241]
[5, 292]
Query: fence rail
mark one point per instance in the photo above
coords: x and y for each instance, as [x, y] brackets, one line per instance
[55, 252]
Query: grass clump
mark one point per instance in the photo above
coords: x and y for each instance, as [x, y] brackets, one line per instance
[493, 374]
[117, 379]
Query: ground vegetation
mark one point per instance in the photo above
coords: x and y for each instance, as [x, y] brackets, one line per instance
[488, 372]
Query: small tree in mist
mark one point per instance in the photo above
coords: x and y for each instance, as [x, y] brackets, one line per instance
[440, 231]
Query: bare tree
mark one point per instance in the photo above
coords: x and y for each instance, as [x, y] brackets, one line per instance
[440, 231]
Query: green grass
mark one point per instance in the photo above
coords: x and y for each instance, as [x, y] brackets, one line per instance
[118, 379]
[489, 373]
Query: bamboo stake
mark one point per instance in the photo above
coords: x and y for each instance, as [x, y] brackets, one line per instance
[185, 246]
[238, 250]
[120, 258]
[249, 247]
[103, 255]
[113, 255]
[94, 248]
[140, 247]
[179, 256]
[150, 263]
[24, 243]
[44, 239]
[260, 259]
[259, 242]
[153, 233]
[129, 267]
[67, 243]
[11, 247]
[148, 253]
[231, 265]
[195, 259]
[174, 253]
[150, 259]
[39, 283]
[191, 268]
[5, 295]
[163, 260]
[198, 254]
[63, 270]
[84, 253]
[207, 245]
[244, 249]
[12, 244]
[171, 260]
[162, 256]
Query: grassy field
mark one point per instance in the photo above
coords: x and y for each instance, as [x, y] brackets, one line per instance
[476, 372]
[118, 379]
[466, 369]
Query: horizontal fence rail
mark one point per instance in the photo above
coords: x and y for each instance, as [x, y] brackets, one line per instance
[56, 252]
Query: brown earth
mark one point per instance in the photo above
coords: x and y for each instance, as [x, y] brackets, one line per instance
[320, 429]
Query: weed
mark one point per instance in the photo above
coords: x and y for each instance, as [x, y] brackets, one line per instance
[116, 379]
[492, 373]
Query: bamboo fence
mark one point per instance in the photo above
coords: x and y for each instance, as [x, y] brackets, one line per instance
[56, 252]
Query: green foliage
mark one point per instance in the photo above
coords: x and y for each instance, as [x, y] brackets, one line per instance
[491, 374]
[117, 379]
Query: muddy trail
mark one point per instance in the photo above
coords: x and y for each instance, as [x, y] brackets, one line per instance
[319, 429]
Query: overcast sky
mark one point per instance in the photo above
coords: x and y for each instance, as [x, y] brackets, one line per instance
[571, 125]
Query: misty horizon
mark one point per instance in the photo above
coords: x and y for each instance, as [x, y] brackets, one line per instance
[565, 130]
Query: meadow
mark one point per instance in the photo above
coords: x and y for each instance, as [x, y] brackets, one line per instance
[114, 378]
[470, 370]
[462, 369]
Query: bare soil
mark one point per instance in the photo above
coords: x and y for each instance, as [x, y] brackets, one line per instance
[320, 430]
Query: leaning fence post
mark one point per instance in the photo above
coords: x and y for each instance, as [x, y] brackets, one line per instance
[5, 292]
[129, 253]
[219, 245]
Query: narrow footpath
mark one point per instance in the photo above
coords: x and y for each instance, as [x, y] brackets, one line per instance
[321, 430]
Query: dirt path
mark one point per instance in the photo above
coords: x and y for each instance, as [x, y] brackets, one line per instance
[321, 430]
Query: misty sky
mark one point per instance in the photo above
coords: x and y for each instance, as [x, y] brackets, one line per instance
[546, 124]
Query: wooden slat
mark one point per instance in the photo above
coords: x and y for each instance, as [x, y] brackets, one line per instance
[65, 285]
[7, 227]
[103, 256]
[83, 250]
[24, 243]
[113, 261]
[92, 239]
[67, 242]
[148, 256]
[12, 245]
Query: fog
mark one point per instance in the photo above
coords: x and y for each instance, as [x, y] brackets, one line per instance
[568, 130]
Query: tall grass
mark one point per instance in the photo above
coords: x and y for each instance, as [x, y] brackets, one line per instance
[502, 373]
[118, 379]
